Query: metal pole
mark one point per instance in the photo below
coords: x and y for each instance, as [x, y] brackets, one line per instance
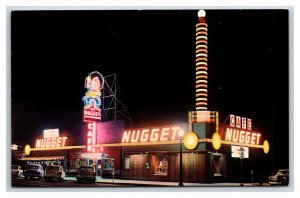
[180, 165]
[241, 172]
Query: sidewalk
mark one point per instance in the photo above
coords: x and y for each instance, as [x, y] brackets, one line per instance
[159, 183]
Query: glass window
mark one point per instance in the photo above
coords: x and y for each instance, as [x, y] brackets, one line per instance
[162, 166]
[127, 163]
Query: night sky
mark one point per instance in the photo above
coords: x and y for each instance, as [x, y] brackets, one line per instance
[152, 52]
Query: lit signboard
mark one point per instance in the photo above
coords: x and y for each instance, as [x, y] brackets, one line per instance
[151, 134]
[51, 139]
[92, 102]
[55, 142]
[239, 130]
[91, 136]
[50, 133]
[239, 152]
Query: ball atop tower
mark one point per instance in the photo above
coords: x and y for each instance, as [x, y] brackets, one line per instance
[201, 13]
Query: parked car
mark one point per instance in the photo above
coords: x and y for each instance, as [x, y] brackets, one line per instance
[34, 170]
[281, 177]
[16, 171]
[54, 172]
[86, 173]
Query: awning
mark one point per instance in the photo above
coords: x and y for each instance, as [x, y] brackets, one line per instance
[45, 158]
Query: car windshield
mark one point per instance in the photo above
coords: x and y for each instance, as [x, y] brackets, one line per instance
[52, 167]
[87, 169]
[32, 167]
[14, 167]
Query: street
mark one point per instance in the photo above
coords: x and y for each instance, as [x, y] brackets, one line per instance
[21, 182]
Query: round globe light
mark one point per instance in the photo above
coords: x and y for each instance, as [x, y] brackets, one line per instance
[27, 149]
[266, 146]
[216, 140]
[190, 140]
[201, 13]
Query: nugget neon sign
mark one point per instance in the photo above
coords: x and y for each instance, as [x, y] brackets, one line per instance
[240, 131]
[151, 134]
[51, 142]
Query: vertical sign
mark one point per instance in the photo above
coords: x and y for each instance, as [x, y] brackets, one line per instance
[92, 103]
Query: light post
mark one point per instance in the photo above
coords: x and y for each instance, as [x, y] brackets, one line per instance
[242, 157]
[180, 159]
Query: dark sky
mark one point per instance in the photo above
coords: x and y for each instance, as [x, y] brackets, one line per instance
[153, 55]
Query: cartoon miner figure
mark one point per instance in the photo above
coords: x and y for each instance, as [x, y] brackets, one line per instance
[94, 84]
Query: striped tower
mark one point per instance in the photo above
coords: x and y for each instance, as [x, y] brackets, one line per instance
[201, 62]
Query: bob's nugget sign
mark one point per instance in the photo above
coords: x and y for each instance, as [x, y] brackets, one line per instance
[240, 130]
[168, 133]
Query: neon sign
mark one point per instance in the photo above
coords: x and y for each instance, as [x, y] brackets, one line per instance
[91, 136]
[151, 134]
[54, 142]
[239, 130]
[94, 84]
[242, 136]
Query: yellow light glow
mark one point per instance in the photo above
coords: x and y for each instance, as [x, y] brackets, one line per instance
[198, 90]
[203, 86]
[200, 68]
[201, 63]
[201, 72]
[197, 99]
[201, 37]
[190, 140]
[201, 28]
[201, 50]
[201, 108]
[201, 25]
[201, 41]
[27, 149]
[201, 59]
[201, 94]
[266, 146]
[201, 76]
[201, 103]
[216, 141]
[201, 81]
[201, 54]
[201, 33]
[201, 46]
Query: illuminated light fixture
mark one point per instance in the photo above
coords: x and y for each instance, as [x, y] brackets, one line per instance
[201, 66]
[201, 108]
[201, 46]
[201, 86]
[201, 59]
[201, 63]
[201, 33]
[201, 24]
[197, 99]
[201, 37]
[201, 94]
[216, 141]
[27, 149]
[201, 13]
[201, 41]
[201, 81]
[201, 103]
[201, 72]
[201, 54]
[202, 28]
[266, 146]
[201, 76]
[191, 140]
[198, 90]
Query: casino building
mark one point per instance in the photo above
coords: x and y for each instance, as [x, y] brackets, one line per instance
[153, 152]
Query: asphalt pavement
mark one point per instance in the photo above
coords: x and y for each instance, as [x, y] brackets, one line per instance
[160, 183]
